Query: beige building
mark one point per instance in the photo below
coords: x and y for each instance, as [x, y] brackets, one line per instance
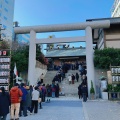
[108, 37]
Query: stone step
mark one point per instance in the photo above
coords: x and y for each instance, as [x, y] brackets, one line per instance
[66, 89]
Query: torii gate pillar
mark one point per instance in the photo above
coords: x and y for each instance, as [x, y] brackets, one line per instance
[89, 58]
[32, 58]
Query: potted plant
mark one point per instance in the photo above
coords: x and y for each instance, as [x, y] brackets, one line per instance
[92, 91]
[116, 91]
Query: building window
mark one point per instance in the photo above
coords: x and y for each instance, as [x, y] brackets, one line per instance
[6, 1]
[3, 35]
[5, 18]
[1, 6]
[6, 9]
[4, 26]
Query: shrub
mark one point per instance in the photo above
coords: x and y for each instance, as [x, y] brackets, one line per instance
[92, 88]
[106, 57]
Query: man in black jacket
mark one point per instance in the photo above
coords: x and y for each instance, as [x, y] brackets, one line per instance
[84, 93]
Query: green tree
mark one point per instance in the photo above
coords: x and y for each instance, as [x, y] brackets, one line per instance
[4, 45]
[106, 57]
[20, 56]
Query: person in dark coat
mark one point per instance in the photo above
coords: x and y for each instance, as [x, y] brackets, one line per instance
[80, 91]
[23, 106]
[73, 79]
[28, 98]
[40, 96]
[84, 92]
[4, 104]
[84, 80]
[57, 90]
[77, 77]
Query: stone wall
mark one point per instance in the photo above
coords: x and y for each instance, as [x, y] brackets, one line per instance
[39, 69]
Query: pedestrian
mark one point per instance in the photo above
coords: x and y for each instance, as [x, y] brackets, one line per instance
[40, 96]
[84, 79]
[73, 79]
[35, 97]
[84, 92]
[15, 97]
[4, 103]
[43, 93]
[23, 105]
[69, 79]
[53, 90]
[41, 77]
[28, 98]
[31, 90]
[77, 77]
[48, 92]
[57, 90]
[80, 91]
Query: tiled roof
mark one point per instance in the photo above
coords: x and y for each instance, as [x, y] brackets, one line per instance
[66, 53]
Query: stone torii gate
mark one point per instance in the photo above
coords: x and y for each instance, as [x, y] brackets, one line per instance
[87, 26]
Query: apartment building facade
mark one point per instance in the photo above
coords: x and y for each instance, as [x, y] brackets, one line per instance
[6, 18]
[115, 11]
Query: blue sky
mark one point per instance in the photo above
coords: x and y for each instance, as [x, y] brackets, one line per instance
[45, 12]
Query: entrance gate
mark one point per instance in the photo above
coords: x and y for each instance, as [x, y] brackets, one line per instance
[87, 26]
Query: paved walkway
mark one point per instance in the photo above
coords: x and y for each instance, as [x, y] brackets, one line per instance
[59, 109]
[71, 108]
[101, 110]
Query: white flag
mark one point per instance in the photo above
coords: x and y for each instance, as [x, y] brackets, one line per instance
[15, 71]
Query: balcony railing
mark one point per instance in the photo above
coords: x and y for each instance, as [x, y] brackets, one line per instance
[114, 5]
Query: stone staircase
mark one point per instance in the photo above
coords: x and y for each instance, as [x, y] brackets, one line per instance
[71, 89]
[68, 90]
[49, 77]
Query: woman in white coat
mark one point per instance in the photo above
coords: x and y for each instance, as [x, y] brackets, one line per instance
[69, 79]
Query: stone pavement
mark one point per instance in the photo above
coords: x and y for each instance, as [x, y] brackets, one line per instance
[92, 109]
[71, 108]
[101, 110]
[63, 108]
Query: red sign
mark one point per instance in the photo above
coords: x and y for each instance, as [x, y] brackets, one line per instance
[3, 52]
